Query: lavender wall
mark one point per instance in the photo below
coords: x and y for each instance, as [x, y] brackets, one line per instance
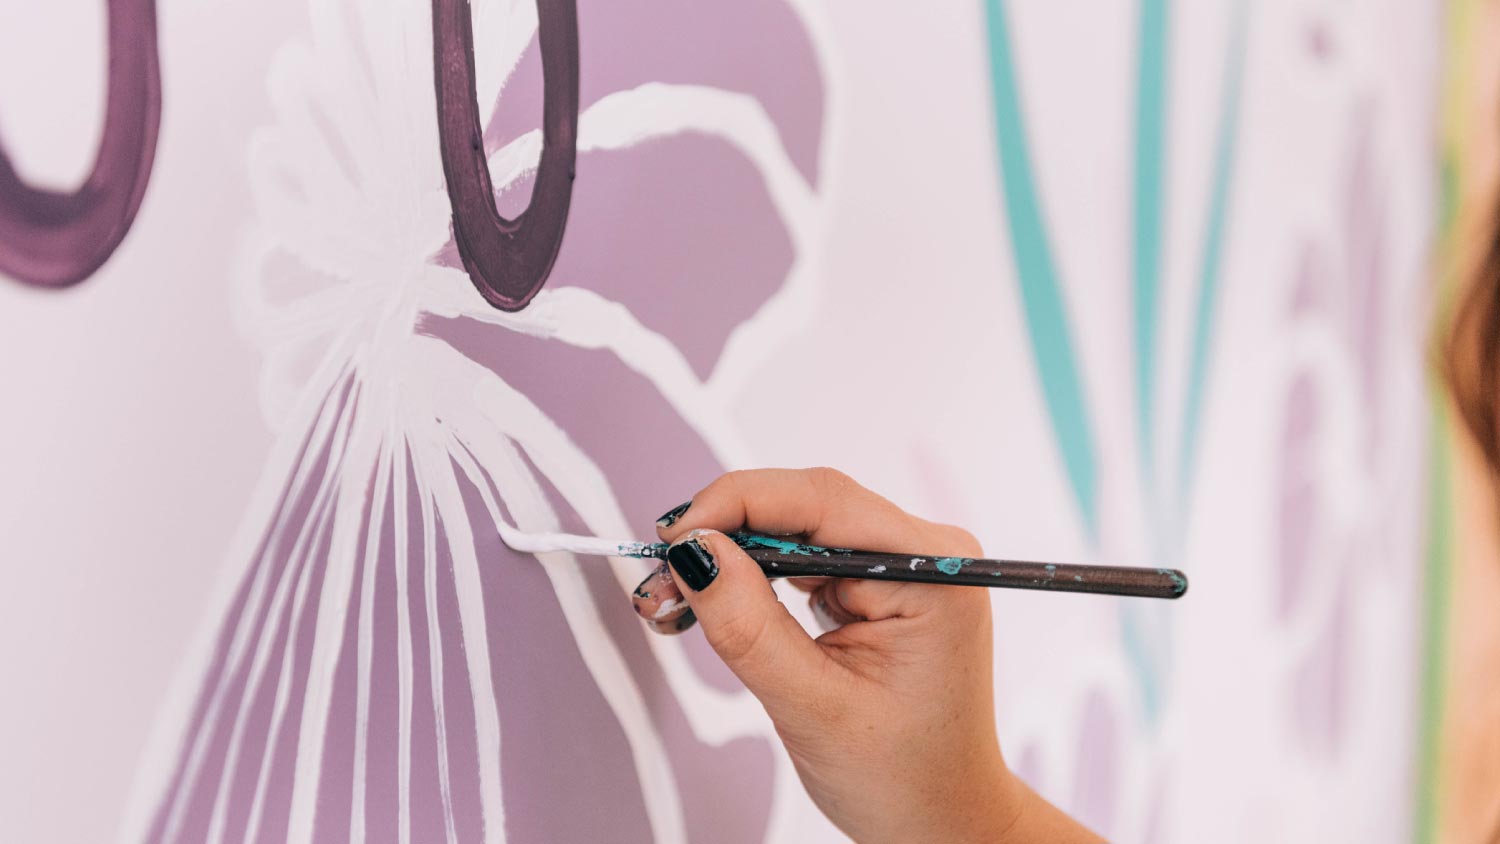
[993, 259]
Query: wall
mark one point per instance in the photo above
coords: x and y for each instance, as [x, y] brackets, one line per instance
[1141, 284]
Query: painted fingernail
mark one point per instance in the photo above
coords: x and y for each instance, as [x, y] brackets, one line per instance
[675, 626]
[657, 599]
[643, 590]
[693, 564]
[670, 517]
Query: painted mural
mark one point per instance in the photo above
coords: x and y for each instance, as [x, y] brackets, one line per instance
[349, 284]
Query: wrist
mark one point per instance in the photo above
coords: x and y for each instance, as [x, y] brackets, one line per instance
[1012, 803]
[986, 808]
[994, 805]
[1029, 818]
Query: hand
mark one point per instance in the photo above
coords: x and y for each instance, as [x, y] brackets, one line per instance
[888, 719]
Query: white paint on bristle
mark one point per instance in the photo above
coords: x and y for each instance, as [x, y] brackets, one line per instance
[542, 543]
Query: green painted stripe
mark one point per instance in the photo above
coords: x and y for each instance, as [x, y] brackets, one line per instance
[1046, 322]
[1437, 591]
[1209, 270]
[1150, 111]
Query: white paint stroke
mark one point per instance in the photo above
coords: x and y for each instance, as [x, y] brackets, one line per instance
[427, 450]
[428, 510]
[330, 413]
[365, 638]
[601, 656]
[298, 566]
[331, 617]
[716, 716]
[404, 670]
[283, 690]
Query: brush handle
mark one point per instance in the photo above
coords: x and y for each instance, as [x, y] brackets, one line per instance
[783, 558]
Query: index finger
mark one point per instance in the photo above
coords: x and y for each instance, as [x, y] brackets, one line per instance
[824, 506]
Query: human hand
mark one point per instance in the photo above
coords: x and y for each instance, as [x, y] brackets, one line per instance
[889, 718]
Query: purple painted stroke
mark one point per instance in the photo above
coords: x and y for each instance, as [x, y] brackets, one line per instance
[754, 47]
[680, 229]
[191, 791]
[1299, 504]
[1096, 781]
[681, 225]
[1365, 226]
[54, 239]
[567, 772]
[508, 260]
[666, 461]
[1354, 304]
[706, 200]
[1320, 689]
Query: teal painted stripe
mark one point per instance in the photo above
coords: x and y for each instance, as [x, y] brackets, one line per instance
[1209, 270]
[1041, 297]
[1150, 111]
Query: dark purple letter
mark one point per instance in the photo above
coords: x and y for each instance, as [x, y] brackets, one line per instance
[508, 260]
[56, 239]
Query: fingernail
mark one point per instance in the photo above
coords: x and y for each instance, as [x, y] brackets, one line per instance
[670, 517]
[658, 598]
[675, 626]
[642, 590]
[693, 564]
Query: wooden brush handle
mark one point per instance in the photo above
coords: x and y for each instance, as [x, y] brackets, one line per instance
[785, 558]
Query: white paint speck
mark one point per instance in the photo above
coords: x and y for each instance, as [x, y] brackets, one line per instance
[877, 569]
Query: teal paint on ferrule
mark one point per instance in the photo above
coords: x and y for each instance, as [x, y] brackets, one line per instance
[1178, 580]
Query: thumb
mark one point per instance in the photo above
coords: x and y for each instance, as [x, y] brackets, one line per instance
[743, 620]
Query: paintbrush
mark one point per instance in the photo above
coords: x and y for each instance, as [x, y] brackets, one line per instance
[779, 557]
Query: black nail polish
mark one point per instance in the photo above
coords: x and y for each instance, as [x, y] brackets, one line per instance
[670, 517]
[693, 564]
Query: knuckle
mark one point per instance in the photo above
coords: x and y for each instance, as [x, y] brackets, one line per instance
[830, 476]
[733, 478]
[722, 485]
[831, 482]
[963, 541]
[946, 539]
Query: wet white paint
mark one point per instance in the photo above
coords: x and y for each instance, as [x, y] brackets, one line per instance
[543, 543]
